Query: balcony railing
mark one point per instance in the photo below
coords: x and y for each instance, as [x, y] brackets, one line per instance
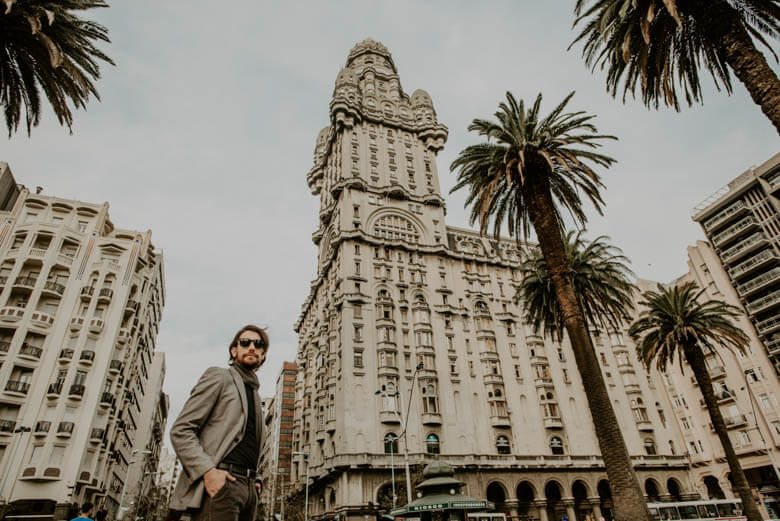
[87, 292]
[96, 434]
[734, 230]
[759, 282]
[105, 294]
[42, 426]
[106, 398]
[553, 422]
[87, 356]
[753, 262]
[132, 306]
[54, 287]
[770, 324]
[716, 371]
[17, 386]
[743, 247]
[115, 366]
[65, 428]
[25, 282]
[42, 319]
[735, 420]
[764, 302]
[96, 325]
[54, 388]
[31, 351]
[723, 215]
[5, 346]
[11, 313]
[76, 390]
[7, 425]
[66, 354]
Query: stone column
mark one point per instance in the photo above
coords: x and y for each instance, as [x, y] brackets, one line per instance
[512, 507]
[568, 502]
[595, 504]
[541, 507]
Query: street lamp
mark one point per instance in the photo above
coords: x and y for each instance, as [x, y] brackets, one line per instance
[20, 430]
[306, 459]
[404, 420]
[122, 509]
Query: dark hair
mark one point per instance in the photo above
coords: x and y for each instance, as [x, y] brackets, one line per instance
[101, 515]
[86, 507]
[249, 327]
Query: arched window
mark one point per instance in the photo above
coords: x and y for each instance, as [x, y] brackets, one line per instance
[556, 445]
[391, 443]
[650, 447]
[396, 227]
[502, 445]
[432, 444]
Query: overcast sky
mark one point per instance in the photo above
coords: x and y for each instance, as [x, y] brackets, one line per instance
[206, 130]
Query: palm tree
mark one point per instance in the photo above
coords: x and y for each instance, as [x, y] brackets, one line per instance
[528, 168]
[675, 322]
[601, 279]
[662, 44]
[45, 47]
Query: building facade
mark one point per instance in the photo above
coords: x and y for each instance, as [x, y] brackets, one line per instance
[397, 290]
[80, 306]
[742, 223]
[276, 453]
[747, 389]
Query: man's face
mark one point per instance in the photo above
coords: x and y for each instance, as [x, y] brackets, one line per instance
[250, 357]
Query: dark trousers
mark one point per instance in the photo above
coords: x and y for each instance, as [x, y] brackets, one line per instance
[236, 501]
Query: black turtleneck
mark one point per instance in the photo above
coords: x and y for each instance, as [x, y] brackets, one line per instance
[245, 454]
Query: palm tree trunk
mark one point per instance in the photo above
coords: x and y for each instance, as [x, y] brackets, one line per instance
[629, 502]
[695, 359]
[724, 24]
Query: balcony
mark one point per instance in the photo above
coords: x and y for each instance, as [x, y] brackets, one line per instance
[30, 352]
[41, 319]
[644, 425]
[11, 313]
[65, 429]
[724, 396]
[131, 307]
[54, 390]
[772, 346]
[105, 295]
[115, 366]
[493, 379]
[95, 325]
[86, 357]
[53, 288]
[124, 335]
[500, 421]
[25, 282]
[737, 420]
[76, 391]
[87, 292]
[66, 354]
[96, 435]
[769, 325]
[17, 387]
[723, 216]
[743, 247]
[755, 262]
[3, 281]
[7, 426]
[553, 422]
[76, 323]
[388, 417]
[734, 231]
[764, 303]
[716, 371]
[759, 282]
[42, 428]
[431, 418]
[543, 382]
[106, 400]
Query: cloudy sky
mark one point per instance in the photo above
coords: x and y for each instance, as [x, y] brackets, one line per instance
[206, 129]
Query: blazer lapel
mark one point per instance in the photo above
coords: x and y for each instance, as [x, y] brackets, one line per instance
[240, 386]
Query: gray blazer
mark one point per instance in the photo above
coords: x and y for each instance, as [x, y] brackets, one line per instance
[210, 425]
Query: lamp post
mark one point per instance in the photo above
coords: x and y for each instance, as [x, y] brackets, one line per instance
[20, 430]
[306, 506]
[404, 420]
[122, 509]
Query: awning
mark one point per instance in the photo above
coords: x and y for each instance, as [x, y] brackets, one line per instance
[443, 502]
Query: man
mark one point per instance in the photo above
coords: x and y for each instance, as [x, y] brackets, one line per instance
[101, 515]
[218, 436]
[86, 512]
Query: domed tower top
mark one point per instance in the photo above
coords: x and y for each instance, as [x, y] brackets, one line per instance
[369, 46]
[420, 98]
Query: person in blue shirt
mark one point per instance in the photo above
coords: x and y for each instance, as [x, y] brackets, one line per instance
[86, 512]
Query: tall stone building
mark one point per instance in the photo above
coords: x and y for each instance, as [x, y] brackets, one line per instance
[80, 305]
[397, 287]
[742, 222]
[747, 389]
[276, 452]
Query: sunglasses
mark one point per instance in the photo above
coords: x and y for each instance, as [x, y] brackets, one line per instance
[245, 342]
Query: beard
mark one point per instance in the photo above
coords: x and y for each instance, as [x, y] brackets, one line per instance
[252, 366]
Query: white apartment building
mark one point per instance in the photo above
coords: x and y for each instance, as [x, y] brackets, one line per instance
[80, 306]
[747, 389]
[397, 287]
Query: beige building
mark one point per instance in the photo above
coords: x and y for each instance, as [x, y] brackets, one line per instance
[397, 287]
[742, 222]
[80, 305]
